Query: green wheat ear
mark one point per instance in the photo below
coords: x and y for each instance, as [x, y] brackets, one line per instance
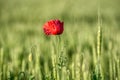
[99, 42]
[99, 33]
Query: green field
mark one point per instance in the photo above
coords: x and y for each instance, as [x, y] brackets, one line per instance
[82, 52]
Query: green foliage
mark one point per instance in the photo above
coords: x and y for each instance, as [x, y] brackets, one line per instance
[82, 52]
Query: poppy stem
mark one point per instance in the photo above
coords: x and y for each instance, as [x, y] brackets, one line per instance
[58, 45]
[58, 55]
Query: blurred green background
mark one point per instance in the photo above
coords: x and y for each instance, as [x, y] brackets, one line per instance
[22, 20]
[21, 24]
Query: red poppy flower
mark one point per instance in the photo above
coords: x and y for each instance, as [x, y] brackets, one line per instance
[53, 27]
